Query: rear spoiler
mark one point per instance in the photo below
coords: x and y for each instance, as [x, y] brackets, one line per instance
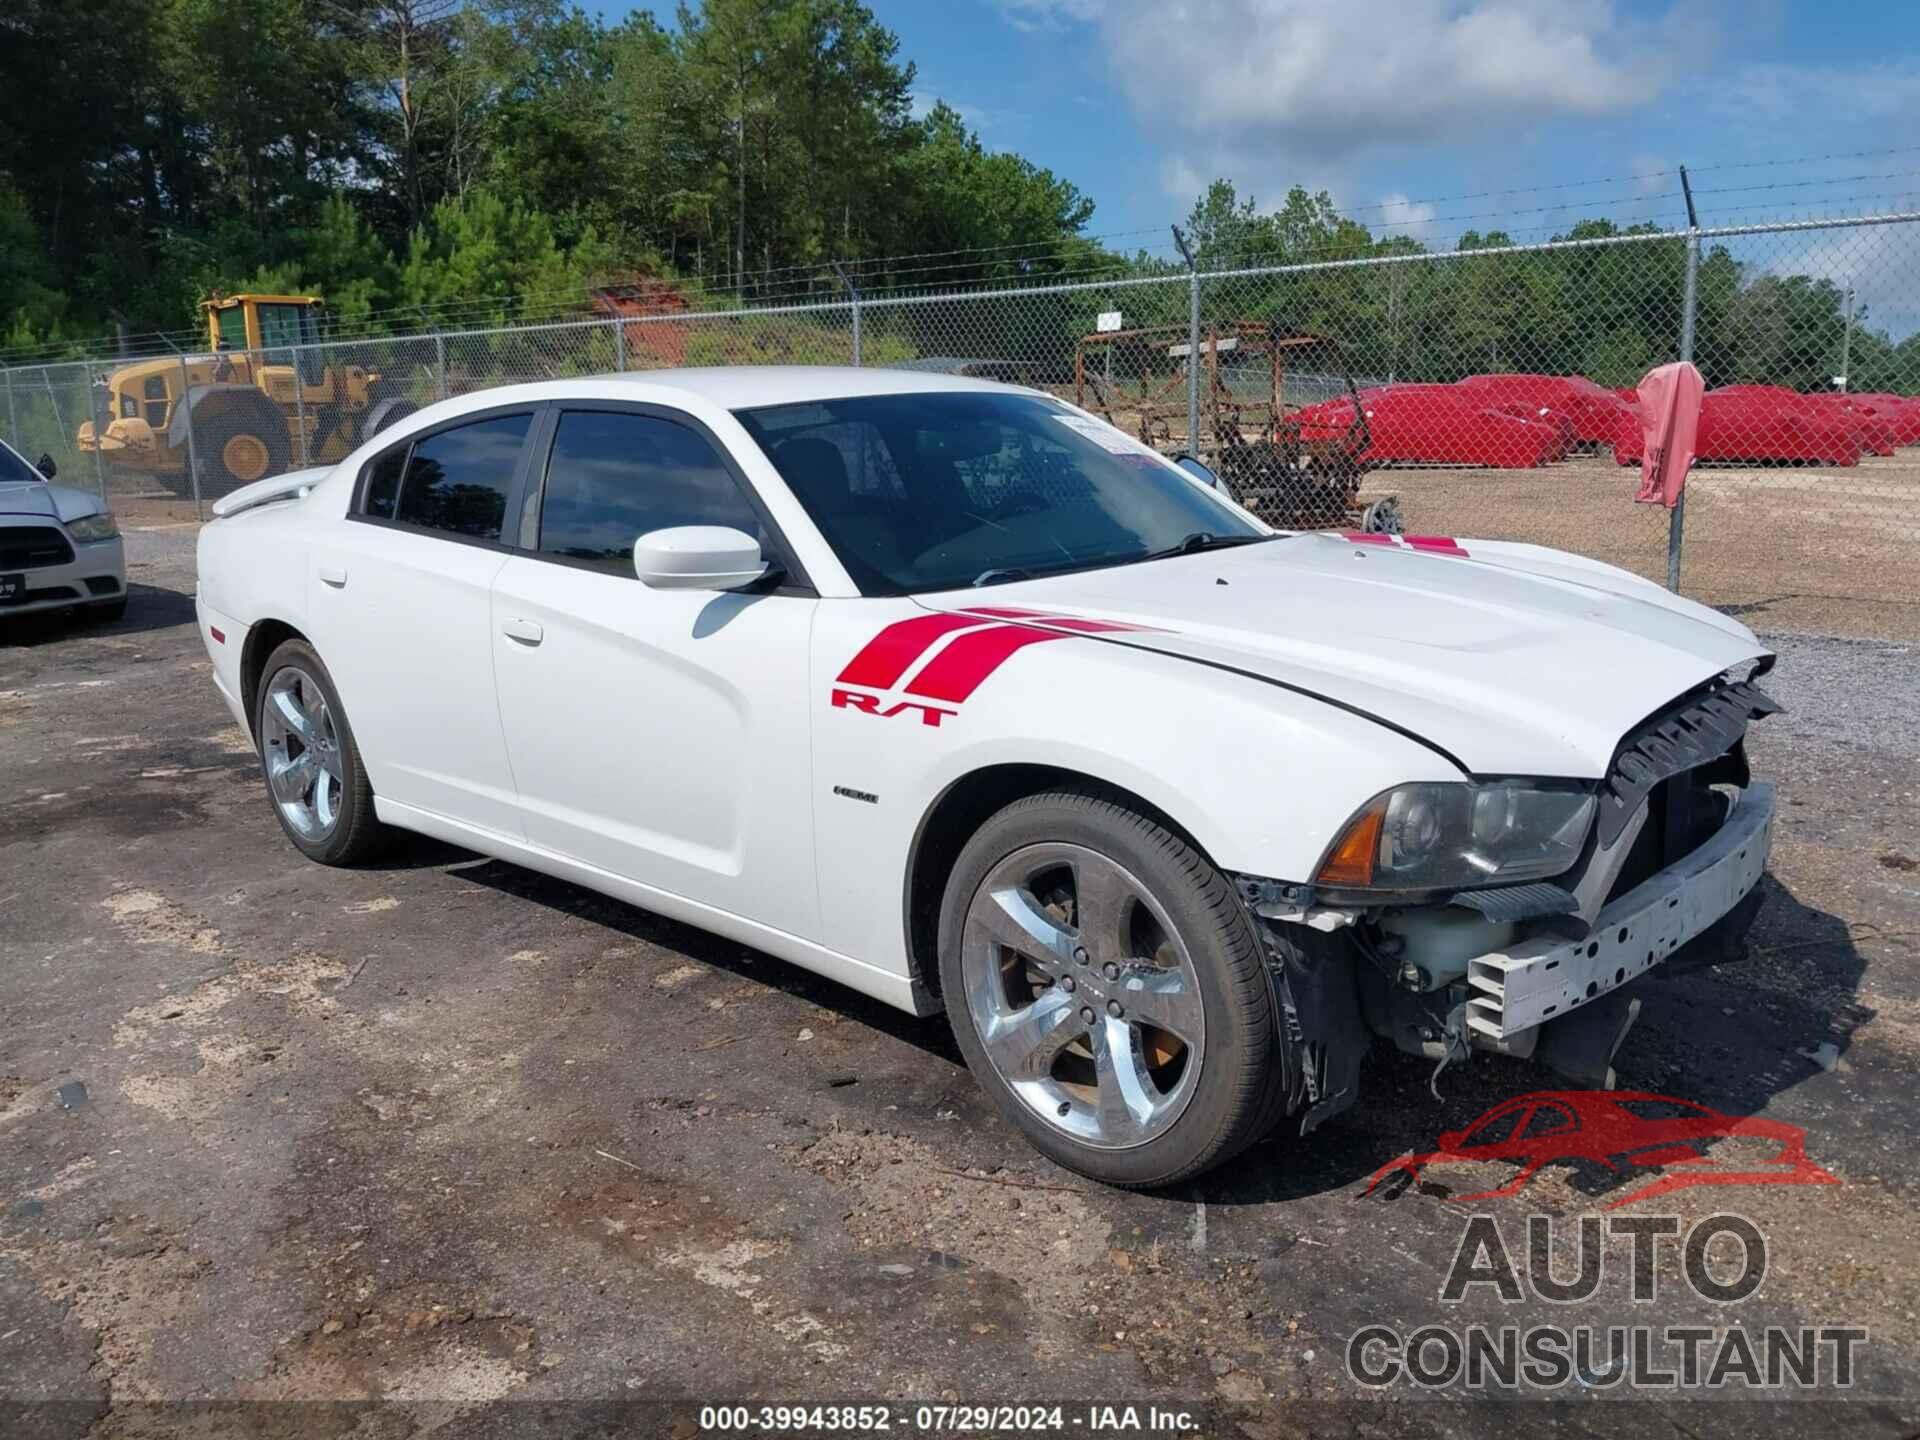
[291, 486]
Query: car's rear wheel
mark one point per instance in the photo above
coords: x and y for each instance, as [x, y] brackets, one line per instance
[1107, 989]
[314, 775]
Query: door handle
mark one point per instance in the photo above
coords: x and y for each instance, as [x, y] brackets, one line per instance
[334, 575]
[527, 632]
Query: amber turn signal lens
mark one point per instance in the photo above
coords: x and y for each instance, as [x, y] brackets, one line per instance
[1350, 863]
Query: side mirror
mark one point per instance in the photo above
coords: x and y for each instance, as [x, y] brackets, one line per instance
[46, 466]
[698, 557]
[1199, 472]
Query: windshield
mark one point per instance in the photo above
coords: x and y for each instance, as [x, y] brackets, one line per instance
[14, 469]
[939, 490]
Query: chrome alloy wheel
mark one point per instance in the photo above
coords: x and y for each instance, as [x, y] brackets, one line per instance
[1083, 995]
[303, 753]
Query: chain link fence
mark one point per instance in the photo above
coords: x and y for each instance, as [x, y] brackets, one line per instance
[1481, 392]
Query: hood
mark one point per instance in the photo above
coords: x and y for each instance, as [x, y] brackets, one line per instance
[60, 502]
[1511, 659]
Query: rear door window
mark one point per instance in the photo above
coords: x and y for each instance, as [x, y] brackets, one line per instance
[456, 481]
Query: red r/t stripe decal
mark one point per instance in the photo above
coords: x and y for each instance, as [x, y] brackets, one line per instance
[956, 672]
[885, 658]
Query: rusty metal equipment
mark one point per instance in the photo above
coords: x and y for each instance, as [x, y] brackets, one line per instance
[1255, 377]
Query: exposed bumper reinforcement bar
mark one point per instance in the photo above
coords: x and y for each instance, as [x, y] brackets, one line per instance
[1545, 978]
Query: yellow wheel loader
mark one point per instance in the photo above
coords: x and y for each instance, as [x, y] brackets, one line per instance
[239, 412]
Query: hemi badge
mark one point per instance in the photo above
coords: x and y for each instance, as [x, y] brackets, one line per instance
[217, 633]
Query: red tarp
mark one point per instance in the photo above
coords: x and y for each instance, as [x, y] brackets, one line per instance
[1600, 416]
[1874, 433]
[1900, 414]
[1760, 423]
[1438, 425]
[1518, 421]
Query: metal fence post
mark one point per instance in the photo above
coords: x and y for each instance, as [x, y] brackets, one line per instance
[440, 365]
[1689, 305]
[1193, 345]
[619, 345]
[853, 296]
[94, 413]
[13, 420]
[300, 408]
[193, 451]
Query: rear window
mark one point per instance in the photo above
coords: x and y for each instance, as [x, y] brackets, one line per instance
[456, 481]
[383, 483]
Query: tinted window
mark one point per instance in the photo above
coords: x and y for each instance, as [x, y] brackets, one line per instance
[935, 490]
[383, 483]
[14, 468]
[457, 480]
[613, 477]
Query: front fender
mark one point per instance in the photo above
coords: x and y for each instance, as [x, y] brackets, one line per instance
[1261, 777]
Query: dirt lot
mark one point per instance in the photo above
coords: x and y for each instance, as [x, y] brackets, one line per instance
[1788, 548]
[449, 1133]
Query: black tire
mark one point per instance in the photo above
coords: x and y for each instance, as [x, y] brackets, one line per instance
[104, 612]
[1239, 1091]
[357, 834]
[239, 444]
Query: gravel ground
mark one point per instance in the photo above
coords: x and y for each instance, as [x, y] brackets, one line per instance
[445, 1131]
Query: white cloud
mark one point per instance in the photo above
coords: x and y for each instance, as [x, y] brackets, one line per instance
[1340, 74]
[1267, 91]
[1400, 216]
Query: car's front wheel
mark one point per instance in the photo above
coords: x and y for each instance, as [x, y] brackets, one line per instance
[1107, 989]
[314, 774]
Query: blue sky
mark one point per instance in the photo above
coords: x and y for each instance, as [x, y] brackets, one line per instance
[1397, 105]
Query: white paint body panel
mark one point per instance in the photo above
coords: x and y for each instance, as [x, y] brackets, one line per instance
[664, 735]
[682, 750]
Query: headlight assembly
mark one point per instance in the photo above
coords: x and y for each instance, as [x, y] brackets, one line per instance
[1457, 836]
[94, 527]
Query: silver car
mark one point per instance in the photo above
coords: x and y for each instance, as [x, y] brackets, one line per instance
[59, 546]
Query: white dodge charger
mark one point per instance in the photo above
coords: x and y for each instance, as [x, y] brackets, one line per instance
[960, 696]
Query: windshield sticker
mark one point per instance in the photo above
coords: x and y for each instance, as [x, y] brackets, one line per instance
[1102, 434]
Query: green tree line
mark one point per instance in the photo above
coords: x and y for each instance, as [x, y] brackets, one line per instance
[474, 162]
[405, 154]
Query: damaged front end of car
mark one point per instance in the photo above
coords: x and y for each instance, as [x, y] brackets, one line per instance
[1512, 915]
